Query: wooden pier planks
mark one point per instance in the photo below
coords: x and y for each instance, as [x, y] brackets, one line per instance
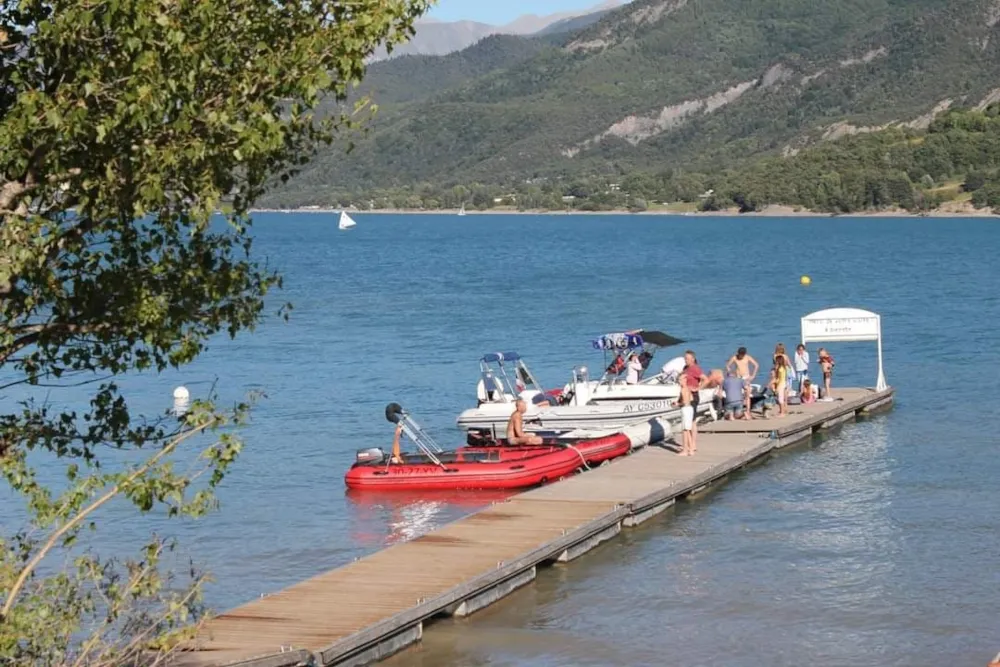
[340, 615]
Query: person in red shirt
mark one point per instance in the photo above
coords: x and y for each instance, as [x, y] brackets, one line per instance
[695, 379]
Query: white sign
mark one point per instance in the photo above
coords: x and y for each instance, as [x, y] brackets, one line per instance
[851, 328]
[845, 325]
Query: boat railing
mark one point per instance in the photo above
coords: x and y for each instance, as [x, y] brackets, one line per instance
[417, 433]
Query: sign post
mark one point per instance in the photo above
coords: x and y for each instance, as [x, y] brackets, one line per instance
[844, 325]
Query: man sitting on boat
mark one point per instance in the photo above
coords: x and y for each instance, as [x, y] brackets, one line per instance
[515, 427]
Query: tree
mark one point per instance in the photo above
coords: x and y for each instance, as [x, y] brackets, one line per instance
[122, 125]
[637, 205]
[974, 180]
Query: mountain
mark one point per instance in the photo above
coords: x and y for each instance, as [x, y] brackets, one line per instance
[575, 23]
[434, 37]
[665, 84]
[439, 37]
[531, 24]
[415, 77]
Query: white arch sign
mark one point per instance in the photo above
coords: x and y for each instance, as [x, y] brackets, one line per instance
[843, 325]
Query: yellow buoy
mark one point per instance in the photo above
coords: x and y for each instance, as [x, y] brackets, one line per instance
[805, 280]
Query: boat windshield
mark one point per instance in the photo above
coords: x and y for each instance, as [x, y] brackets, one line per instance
[503, 376]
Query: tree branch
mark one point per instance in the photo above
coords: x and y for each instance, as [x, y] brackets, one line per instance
[78, 519]
[10, 191]
[31, 334]
[114, 609]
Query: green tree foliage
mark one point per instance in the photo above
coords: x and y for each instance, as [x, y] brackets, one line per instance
[122, 124]
[988, 196]
[890, 168]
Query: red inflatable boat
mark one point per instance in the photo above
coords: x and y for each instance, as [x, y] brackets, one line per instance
[482, 464]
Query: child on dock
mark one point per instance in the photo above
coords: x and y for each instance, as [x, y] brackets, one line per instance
[779, 382]
[826, 364]
[686, 401]
[807, 394]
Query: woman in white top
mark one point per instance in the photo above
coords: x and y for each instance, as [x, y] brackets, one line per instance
[634, 369]
[801, 364]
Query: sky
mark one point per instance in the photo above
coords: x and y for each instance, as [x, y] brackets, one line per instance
[498, 12]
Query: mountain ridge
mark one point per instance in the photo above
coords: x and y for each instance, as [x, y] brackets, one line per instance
[434, 37]
[690, 84]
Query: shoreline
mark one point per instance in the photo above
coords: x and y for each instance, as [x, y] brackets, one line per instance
[773, 211]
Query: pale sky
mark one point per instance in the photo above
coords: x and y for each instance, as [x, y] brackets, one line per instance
[498, 12]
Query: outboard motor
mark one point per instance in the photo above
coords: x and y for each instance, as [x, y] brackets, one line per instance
[479, 438]
[370, 456]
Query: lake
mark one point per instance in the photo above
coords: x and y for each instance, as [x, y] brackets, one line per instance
[876, 544]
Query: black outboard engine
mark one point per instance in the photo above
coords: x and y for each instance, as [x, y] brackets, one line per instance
[479, 438]
[370, 456]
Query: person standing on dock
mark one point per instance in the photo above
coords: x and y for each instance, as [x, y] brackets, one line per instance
[826, 364]
[686, 401]
[801, 365]
[695, 379]
[779, 383]
[515, 427]
[741, 362]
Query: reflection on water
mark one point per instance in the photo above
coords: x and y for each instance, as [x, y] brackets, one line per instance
[804, 560]
[381, 518]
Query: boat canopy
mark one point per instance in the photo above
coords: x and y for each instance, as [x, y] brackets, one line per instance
[660, 339]
[500, 356]
[628, 340]
[618, 341]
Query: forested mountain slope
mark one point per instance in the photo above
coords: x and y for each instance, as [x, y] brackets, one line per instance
[695, 84]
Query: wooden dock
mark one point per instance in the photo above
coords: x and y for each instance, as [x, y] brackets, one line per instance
[367, 610]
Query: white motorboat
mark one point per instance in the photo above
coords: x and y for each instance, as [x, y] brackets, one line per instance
[346, 221]
[607, 404]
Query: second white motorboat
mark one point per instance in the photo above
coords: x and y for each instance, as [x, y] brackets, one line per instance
[607, 404]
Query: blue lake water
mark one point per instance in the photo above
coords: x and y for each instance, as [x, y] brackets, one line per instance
[877, 545]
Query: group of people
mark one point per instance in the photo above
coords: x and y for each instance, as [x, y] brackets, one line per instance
[788, 375]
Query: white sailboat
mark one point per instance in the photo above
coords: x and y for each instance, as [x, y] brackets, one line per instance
[461, 211]
[346, 222]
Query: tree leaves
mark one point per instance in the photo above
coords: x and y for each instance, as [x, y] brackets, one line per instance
[123, 123]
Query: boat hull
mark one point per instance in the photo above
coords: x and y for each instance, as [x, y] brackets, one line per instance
[495, 465]
[604, 416]
[473, 468]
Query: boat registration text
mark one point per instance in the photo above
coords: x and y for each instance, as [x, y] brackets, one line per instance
[648, 406]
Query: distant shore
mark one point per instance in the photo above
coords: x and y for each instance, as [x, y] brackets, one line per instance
[951, 210]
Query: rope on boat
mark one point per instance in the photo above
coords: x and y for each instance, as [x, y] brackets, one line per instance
[578, 453]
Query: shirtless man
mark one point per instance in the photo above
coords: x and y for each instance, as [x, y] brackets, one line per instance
[515, 427]
[741, 362]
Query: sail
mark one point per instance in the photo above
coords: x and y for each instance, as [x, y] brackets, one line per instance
[345, 221]
[461, 211]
